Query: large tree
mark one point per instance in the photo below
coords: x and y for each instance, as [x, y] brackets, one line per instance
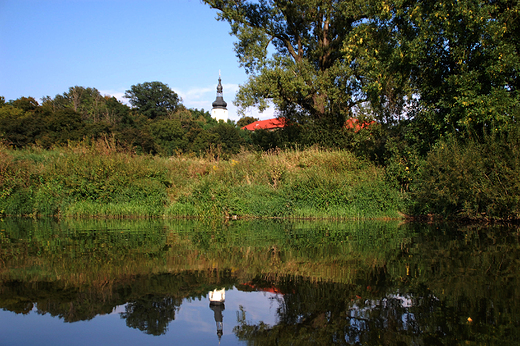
[306, 74]
[459, 60]
[466, 63]
[153, 99]
[449, 67]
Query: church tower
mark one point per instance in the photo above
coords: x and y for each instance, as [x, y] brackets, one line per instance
[219, 110]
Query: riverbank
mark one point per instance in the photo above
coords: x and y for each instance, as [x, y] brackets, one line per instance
[101, 180]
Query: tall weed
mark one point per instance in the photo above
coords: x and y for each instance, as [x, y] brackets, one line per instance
[99, 179]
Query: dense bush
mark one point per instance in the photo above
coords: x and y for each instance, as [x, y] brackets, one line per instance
[476, 179]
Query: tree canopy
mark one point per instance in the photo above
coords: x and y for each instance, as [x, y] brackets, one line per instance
[449, 68]
[153, 99]
[307, 73]
[82, 113]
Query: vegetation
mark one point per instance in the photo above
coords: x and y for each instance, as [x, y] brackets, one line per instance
[439, 80]
[444, 66]
[98, 179]
[153, 99]
[431, 74]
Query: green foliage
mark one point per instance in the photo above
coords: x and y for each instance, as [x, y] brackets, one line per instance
[472, 179]
[65, 125]
[228, 138]
[97, 179]
[83, 181]
[82, 113]
[25, 103]
[307, 72]
[310, 183]
[463, 63]
[19, 128]
[244, 121]
[88, 102]
[153, 99]
[169, 135]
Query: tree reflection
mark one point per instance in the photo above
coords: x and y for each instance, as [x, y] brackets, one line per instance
[151, 314]
[324, 313]
[342, 284]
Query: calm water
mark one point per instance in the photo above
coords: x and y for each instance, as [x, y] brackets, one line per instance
[257, 283]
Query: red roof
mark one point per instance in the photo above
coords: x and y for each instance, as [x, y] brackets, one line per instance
[353, 123]
[265, 124]
[275, 123]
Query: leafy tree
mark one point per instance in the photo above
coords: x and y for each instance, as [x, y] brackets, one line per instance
[138, 139]
[20, 128]
[204, 141]
[201, 115]
[229, 138]
[308, 76]
[169, 135]
[8, 111]
[88, 102]
[463, 62]
[244, 121]
[65, 125]
[25, 103]
[153, 99]
[116, 112]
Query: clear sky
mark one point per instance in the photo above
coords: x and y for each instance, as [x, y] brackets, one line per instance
[47, 46]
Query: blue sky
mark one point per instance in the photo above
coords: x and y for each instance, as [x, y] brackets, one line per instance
[47, 46]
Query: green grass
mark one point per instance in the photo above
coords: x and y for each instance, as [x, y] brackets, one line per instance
[100, 180]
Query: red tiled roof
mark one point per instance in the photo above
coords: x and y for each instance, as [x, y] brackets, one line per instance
[265, 124]
[353, 123]
[275, 123]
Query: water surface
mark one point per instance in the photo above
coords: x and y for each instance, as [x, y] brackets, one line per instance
[301, 283]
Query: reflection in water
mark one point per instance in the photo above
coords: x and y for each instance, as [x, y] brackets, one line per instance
[151, 314]
[343, 283]
[216, 303]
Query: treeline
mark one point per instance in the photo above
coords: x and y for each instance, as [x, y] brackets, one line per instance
[477, 178]
[157, 123]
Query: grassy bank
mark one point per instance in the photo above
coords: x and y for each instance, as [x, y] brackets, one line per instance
[98, 179]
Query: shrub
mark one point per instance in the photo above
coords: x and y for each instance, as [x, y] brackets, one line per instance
[472, 179]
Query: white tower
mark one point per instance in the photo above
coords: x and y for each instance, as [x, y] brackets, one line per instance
[219, 110]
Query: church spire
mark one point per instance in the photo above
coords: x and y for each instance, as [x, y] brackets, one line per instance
[219, 110]
[219, 103]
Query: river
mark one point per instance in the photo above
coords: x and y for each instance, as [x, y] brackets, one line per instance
[259, 282]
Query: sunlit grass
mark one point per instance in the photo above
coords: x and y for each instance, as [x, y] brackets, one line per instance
[101, 180]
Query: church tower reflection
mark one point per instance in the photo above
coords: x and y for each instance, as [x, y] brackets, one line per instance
[216, 303]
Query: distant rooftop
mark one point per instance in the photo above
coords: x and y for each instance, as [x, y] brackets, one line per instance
[271, 124]
[268, 124]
